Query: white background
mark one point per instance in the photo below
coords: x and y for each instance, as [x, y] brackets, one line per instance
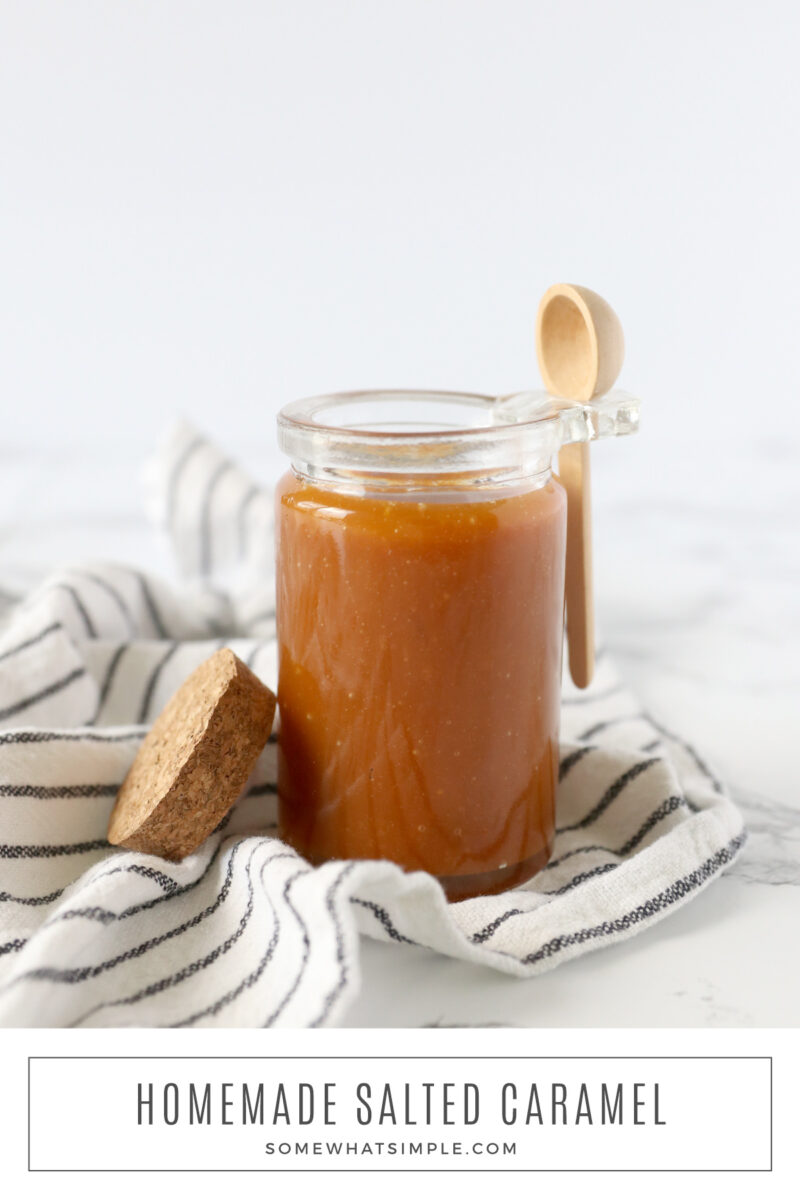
[213, 208]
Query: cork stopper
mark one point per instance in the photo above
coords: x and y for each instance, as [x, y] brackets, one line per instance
[195, 761]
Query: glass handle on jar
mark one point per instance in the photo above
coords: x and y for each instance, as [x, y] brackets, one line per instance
[614, 414]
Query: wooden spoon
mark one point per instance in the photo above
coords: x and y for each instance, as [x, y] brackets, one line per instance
[580, 347]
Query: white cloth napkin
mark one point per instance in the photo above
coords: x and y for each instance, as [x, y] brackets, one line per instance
[244, 932]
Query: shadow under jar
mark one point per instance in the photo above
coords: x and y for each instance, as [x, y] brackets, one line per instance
[420, 593]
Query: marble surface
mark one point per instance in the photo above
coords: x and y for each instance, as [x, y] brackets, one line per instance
[697, 588]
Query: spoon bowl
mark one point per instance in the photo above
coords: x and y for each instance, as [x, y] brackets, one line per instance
[579, 342]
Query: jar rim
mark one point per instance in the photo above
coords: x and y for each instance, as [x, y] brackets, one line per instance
[305, 413]
[369, 431]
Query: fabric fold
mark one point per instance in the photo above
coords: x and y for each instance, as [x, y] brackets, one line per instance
[244, 932]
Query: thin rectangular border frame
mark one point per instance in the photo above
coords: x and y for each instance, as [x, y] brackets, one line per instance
[401, 1170]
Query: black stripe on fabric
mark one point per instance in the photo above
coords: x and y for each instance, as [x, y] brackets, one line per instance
[254, 976]
[382, 917]
[673, 894]
[11, 947]
[71, 791]
[257, 972]
[32, 901]
[170, 886]
[212, 483]
[105, 915]
[163, 880]
[572, 760]
[31, 641]
[556, 862]
[93, 913]
[610, 794]
[253, 655]
[211, 1010]
[75, 975]
[152, 609]
[175, 478]
[341, 983]
[115, 595]
[223, 823]
[601, 726]
[79, 605]
[304, 934]
[670, 805]
[702, 767]
[59, 851]
[484, 934]
[150, 686]
[194, 967]
[43, 694]
[650, 747]
[111, 671]
[581, 877]
[21, 737]
[264, 789]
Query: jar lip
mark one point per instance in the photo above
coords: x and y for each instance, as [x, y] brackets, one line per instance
[305, 414]
[381, 432]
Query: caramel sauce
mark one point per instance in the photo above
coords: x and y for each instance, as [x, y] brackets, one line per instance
[420, 659]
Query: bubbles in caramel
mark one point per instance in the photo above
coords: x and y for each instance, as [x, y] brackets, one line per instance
[420, 655]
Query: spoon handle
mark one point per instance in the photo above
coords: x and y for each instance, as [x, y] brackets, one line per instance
[574, 476]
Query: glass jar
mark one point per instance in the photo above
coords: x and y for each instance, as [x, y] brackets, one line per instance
[420, 598]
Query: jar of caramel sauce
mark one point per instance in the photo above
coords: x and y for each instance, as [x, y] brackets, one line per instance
[420, 598]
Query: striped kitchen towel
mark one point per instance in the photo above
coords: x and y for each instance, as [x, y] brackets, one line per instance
[244, 932]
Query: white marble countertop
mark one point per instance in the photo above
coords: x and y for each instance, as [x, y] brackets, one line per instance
[697, 601]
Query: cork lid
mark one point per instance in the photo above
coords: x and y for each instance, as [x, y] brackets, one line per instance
[195, 761]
